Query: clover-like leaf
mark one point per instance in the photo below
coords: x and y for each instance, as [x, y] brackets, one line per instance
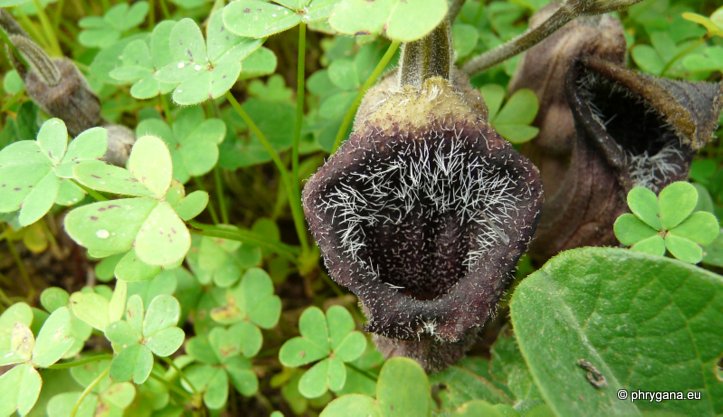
[331, 337]
[393, 398]
[676, 201]
[252, 300]
[17, 315]
[220, 360]
[193, 141]
[512, 120]
[399, 20]
[54, 339]
[667, 222]
[204, 69]
[143, 335]
[147, 224]
[629, 229]
[103, 31]
[261, 19]
[221, 261]
[33, 172]
[19, 390]
[141, 60]
[644, 204]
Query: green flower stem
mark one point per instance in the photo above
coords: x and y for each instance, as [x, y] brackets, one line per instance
[20, 57]
[21, 267]
[48, 29]
[300, 93]
[220, 194]
[57, 17]
[32, 29]
[170, 386]
[164, 9]
[151, 14]
[246, 236]
[180, 373]
[5, 301]
[82, 361]
[362, 371]
[211, 207]
[94, 194]
[88, 390]
[349, 116]
[294, 203]
[690, 48]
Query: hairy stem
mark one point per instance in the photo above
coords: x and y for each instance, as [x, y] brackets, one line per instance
[428, 57]
[351, 111]
[565, 13]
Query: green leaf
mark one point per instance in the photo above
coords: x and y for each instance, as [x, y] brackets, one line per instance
[512, 121]
[477, 408]
[684, 249]
[300, 351]
[109, 178]
[644, 204]
[191, 205]
[226, 343]
[630, 230]
[250, 337]
[52, 298]
[203, 70]
[32, 173]
[54, 339]
[654, 245]
[410, 399]
[90, 145]
[465, 39]
[150, 163]
[132, 269]
[53, 139]
[163, 239]
[133, 363]
[352, 405]
[40, 199]
[314, 382]
[399, 20]
[351, 347]
[19, 390]
[701, 227]
[19, 314]
[138, 69]
[122, 335]
[101, 32]
[261, 62]
[242, 376]
[313, 326]
[91, 308]
[162, 313]
[643, 323]
[109, 227]
[165, 342]
[258, 19]
[677, 201]
[193, 141]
